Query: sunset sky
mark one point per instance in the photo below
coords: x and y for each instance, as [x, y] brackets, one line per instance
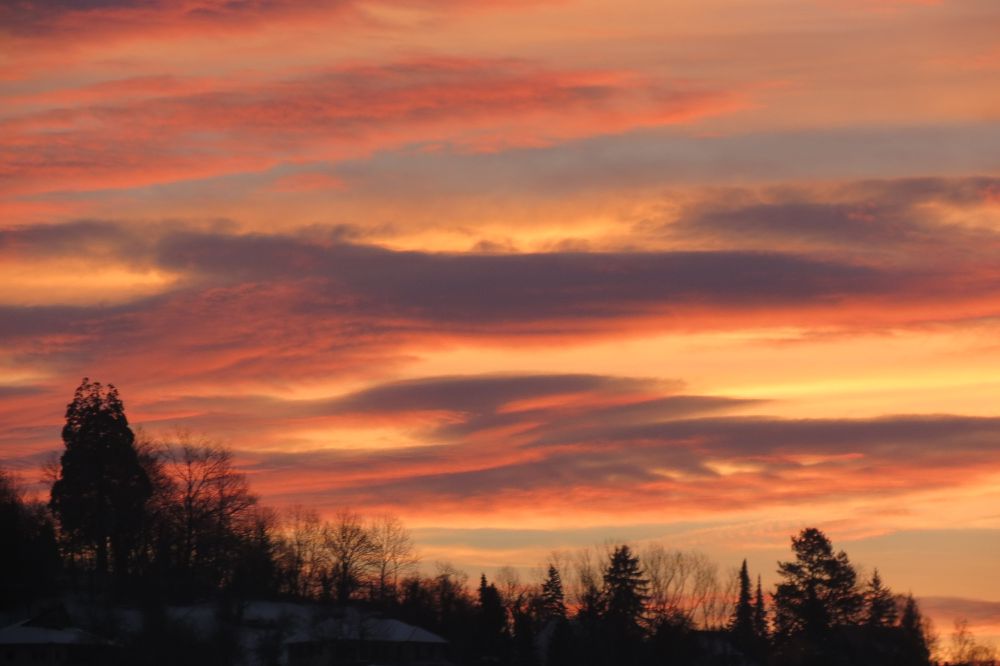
[531, 274]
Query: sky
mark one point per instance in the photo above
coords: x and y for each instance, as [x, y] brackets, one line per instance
[531, 274]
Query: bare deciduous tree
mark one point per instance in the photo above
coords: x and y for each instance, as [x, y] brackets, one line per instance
[214, 500]
[965, 651]
[686, 586]
[586, 581]
[394, 554]
[508, 583]
[351, 552]
[302, 554]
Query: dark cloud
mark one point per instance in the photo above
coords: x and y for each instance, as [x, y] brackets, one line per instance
[247, 306]
[625, 442]
[29, 17]
[874, 216]
[90, 239]
[588, 420]
[893, 456]
[268, 281]
[512, 287]
[622, 471]
[262, 309]
[761, 436]
[479, 404]
[856, 223]
[17, 391]
[37, 16]
[29, 321]
[475, 394]
[477, 397]
[976, 611]
[522, 538]
[662, 157]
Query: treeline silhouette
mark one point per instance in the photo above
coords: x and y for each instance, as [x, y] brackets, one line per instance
[149, 525]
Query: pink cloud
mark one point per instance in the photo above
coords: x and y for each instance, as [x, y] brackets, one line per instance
[334, 114]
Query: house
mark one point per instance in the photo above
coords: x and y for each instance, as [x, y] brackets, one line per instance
[357, 640]
[49, 640]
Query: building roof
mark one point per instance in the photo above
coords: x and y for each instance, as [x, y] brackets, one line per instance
[383, 630]
[24, 633]
[396, 631]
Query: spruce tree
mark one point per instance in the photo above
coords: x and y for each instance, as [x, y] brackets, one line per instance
[760, 615]
[624, 589]
[553, 601]
[880, 605]
[492, 619]
[819, 588]
[624, 593]
[915, 650]
[741, 623]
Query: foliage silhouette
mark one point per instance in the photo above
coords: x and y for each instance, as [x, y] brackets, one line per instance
[880, 606]
[101, 493]
[742, 623]
[29, 559]
[818, 590]
[553, 599]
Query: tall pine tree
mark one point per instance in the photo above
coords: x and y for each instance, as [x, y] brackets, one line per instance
[760, 629]
[625, 596]
[741, 623]
[624, 588]
[492, 620]
[552, 600]
[818, 590]
[915, 650]
[880, 605]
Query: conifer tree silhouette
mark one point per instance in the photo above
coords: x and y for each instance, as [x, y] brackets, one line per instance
[100, 495]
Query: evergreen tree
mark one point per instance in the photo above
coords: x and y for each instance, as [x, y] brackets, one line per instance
[592, 604]
[624, 607]
[100, 495]
[524, 624]
[880, 605]
[552, 601]
[590, 646]
[760, 615]
[29, 557]
[624, 588]
[819, 588]
[915, 648]
[492, 619]
[741, 624]
[562, 645]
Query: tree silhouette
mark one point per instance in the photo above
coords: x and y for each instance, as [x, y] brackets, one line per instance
[742, 622]
[880, 606]
[915, 646]
[552, 601]
[965, 651]
[393, 555]
[625, 596]
[29, 557]
[562, 645]
[351, 551]
[100, 495]
[215, 511]
[819, 588]
[624, 588]
[492, 619]
[760, 629]
[302, 559]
